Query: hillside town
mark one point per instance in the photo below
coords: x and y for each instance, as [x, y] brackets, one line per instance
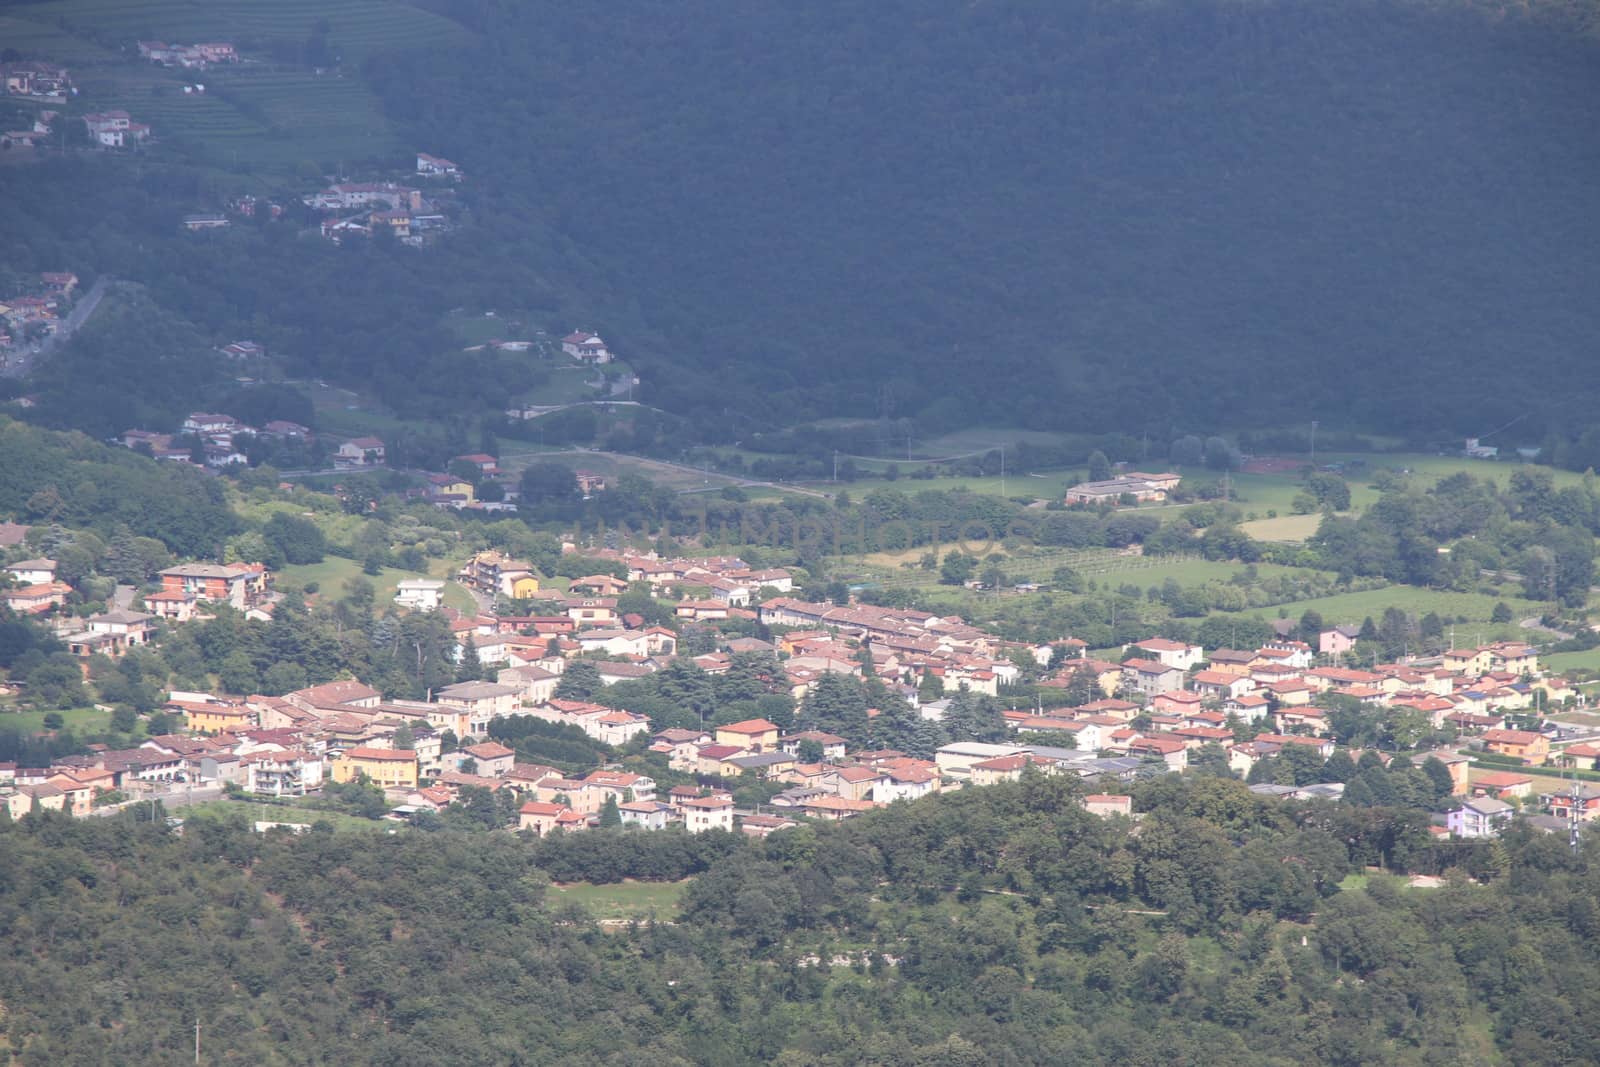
[1157, 707]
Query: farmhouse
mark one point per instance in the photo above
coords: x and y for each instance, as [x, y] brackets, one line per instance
[359, 452]
[586, 346]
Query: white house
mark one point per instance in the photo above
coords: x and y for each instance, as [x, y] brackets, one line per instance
[419, 594]
[708, 813]
[1179, 654]
[647, 814]
[586, 346]
[359, 452]
[33, 571]
[436, 166]
[1479, 817]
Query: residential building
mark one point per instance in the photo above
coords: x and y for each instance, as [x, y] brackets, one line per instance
[1501, 785]
[482, 701]
[835, 809]
[586, 346]
[240, 585]
[436, 167]
[419, 594]
[1338, 641]
[36, 599]
[1179, 654]
[1479, 817]
[707, 813]
[492, 758]
[360, 452]
[542, 817]
[1106, 805]
[33, 571]
[1525, 745]
[754, 735]
[1150, 676]
[1580, 797]
[646, 814]
[387, 767]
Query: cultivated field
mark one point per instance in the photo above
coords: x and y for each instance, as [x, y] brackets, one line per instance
[258, 116]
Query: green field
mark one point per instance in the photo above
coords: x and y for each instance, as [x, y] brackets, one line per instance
[1572, 661]
[623, 900]
[1254, 493]
[1351, 608]
[334, 571]
[78, 720]
[1291, 528]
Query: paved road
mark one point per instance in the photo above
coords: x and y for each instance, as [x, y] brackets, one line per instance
[23, 361]
[177, 798]
[1534, 624]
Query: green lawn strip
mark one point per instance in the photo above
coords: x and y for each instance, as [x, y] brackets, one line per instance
[293, 812]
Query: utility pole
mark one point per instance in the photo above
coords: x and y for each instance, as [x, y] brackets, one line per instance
[1002, 470]
[836, 464]
[1313, 444]
[197, 1041]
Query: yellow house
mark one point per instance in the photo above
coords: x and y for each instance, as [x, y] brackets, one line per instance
[450, 485]
[1514, 657]
[1466, 660]
[757, 735]
[388, 767]
[214, 717]
[524, 587]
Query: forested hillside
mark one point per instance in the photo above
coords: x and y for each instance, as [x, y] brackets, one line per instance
[1127, 215]
[1156, 218]
[995, 926]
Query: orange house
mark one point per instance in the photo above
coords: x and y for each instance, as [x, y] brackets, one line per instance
[1523, 744]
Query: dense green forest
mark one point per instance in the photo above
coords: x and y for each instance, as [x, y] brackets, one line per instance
[993, 926]
[1150, 218]
[69, 479]
[1129, 216]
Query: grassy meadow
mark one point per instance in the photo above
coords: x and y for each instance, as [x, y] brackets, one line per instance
[622, 900]
[78, 720]
[333, 572]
